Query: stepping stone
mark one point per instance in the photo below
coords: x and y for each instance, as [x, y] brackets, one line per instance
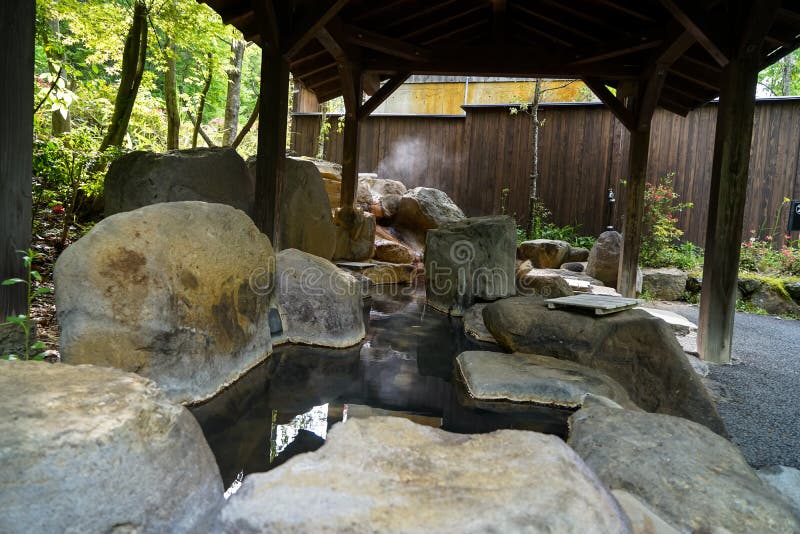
[601, 305]
[492, 377]
[679, 324]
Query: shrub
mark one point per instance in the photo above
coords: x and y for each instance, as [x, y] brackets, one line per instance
[661, 245]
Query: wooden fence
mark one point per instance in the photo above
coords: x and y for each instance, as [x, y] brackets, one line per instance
[583, 153]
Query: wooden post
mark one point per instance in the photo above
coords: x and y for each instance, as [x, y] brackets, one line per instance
[16, 146]
[351, 83]
[729, 175]
[271, 159]
[634, 211]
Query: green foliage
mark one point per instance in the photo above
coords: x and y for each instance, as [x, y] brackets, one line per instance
[772, 78]
[761, 256]
[661, 245]
[544, 228]
[23, 320]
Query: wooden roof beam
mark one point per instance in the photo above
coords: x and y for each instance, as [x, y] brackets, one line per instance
[382, 94]
[386, 45]
[555, 22]
[443, 21]
[306, 30]
[499, 20]
[419, 14]
[618, 49]
[625, 9]
[268, 22]
[694, 22]
[625, 116]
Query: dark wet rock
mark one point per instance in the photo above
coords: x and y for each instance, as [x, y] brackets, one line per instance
[603, 262]
[634, 348]
[142, 178]
[93, 449]
[492, 377]
[470, 260]
[543, 283]
[749, 285]
[793, 288]
[414, 478]
[319, 303]
[664, 283]
[177, 292]
[694, 284]
[304, 441]
[577, 255]
[544, 253]
[474, 325]
[575, 267]
[690, 476]
[305, 212]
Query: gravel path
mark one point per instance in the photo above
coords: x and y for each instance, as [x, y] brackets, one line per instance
[761, 390]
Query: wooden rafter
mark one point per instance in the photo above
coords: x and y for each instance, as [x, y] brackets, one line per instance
[387, 45]
[499, 23]
[694, 23]
[307, 29]
[624, 48]
[625, 116]
[382, 94]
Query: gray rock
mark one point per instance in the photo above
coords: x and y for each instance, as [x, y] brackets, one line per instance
[381, 273]
[577, 255]
[392, 252]
[12, 338]
[793, 288]
[177, 292]
[678, 323]
[492, 377]
[643, 519]
[424, 208]
[474, 325]
[390, 204]
[544, 253]
[634, 348]
[93, 449]
[749, 286]
[664, 284]
[469, 260]
[143, 178]
[319, 303]
[785, 481]
[387, 474]
[380, 187]
[774, 301]
[691, 477]
[355, 235]
[603, 262]
[305, 212]
[544, 283]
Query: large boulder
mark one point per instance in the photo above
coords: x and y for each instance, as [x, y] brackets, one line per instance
[774, 300]
[319, 304]
[393, 252]
[424, 208]
[470, 260]
[544, 283]
[177, 292]
[93, 449]
[387, 474]
[305, 216]
[634, 348]
[786, 483]
[665, 283]
[355, 235]
[603, 262]
[142, 178]
[693, 478]
[492, 377]
[544, 253]
[577, 255]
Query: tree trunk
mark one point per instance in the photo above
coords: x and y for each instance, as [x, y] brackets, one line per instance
[323, 120]
[171, 98]
[232, 101]
[202, 104]
[16, 146]
[787, 67]
[534, 165]
[248, 125]
[133, 60]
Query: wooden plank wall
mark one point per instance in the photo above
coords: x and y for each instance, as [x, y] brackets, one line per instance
[583, 153]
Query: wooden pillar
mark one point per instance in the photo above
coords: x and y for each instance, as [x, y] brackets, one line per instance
[729, 175]
[351, 84]
[271, 159]
[16, 146]
[634, 211]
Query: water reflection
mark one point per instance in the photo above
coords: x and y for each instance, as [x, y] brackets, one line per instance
[403, 368]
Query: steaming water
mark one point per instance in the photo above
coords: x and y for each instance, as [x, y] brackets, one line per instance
[403, 368]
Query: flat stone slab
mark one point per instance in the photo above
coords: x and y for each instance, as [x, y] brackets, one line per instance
[602, 305]
[387, 474]
[679, 324]
[532, 378]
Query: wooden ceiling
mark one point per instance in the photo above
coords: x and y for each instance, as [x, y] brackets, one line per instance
[604, 42]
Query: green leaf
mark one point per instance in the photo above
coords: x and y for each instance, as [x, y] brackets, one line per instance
[17, 319]
[39, 345]
[9, 357]
[42, 291]
[39, 357]
[36, 275]
[12, 281]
